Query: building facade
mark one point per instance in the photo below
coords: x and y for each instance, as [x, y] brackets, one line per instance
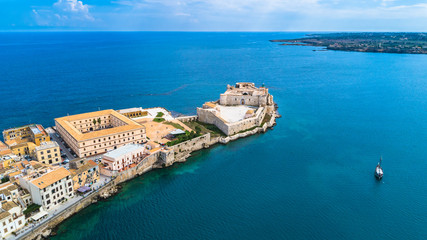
[98, 132]
[23, 149]
[246, 94]
[123, 157]
[29, 133]
[84, 173]
[133, 112]
[49, 189]
[11, 218]
[48, 153]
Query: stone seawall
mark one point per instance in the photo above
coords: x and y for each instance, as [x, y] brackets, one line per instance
[159, 159]
[183, 150]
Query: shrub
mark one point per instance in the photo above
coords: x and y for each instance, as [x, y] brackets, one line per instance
[5, 179]
[159, 120]
[159, 114]
[31, 208]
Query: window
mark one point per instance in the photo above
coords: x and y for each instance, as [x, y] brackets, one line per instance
[47, 203]
[48, 151]
[70, 189]
[41, 152]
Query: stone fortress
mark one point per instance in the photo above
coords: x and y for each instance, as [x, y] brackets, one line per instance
[241, 108]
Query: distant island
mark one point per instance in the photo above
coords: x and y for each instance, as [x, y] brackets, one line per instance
[412, 43]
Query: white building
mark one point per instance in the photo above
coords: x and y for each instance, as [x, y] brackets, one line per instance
[51, 188]
[119, 159]
[11, 218]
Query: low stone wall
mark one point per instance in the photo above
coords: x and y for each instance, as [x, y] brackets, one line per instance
[187, 118]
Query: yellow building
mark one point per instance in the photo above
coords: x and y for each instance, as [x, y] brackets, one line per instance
[48, 153]
[84, 172]
[29, 133]
[133, 112]
[7, 162]
[4, 149]
[95, 133]
[22, 149]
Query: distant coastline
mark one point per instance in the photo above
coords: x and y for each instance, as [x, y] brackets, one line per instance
[409, 43]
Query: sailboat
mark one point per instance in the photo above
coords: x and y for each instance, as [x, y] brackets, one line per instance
[379, 170]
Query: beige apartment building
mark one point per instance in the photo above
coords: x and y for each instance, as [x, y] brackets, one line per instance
[95, 133]
[48, 153]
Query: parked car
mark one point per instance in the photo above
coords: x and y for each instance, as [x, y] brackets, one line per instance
[65, 161]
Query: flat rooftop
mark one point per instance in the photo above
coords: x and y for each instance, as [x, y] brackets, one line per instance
[46, 145]
[234, 114]
[65, 122]
[123, 150]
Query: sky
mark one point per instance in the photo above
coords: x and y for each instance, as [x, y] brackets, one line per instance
[214, 15]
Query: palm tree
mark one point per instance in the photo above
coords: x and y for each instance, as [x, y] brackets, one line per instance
[99, 122]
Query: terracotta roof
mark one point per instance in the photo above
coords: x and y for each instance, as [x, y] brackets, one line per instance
[50, 178]
[4, 215]
[14, 173]
[210, 104]
[5, 185]
[5, 192]
[8, 205]
[89, 165]
[79, 136]
[12, 188]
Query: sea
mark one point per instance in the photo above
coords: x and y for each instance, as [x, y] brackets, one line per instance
[311, 177]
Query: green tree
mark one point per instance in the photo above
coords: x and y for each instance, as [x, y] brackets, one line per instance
[198, 130]
[99, 122]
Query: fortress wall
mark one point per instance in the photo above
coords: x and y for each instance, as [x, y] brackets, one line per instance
[233, 100]
[192, 145]
[245, 124]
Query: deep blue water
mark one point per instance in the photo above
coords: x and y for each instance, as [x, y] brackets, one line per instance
[309, 178]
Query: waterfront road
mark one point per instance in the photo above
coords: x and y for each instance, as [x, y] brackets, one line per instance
[54, 137]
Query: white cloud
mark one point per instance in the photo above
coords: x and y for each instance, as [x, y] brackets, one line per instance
[64, 13]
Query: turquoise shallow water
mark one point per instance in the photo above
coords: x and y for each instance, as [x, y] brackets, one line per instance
[309, 178]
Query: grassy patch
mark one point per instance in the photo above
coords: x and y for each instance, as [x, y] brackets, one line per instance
[159, 114]
[31, 208]
[204, 128]
[159, 120]
[175, 125]
[266, 119]
[184, 137]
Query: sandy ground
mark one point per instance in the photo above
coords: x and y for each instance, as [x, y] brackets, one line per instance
[157, 131]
